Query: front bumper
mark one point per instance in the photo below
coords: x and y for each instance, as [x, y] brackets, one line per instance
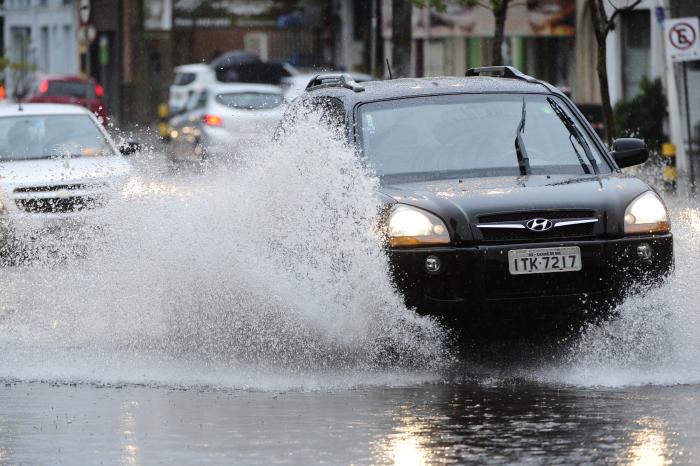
[24, 228]
[474, 284]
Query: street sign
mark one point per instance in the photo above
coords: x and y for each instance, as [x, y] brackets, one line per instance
[682, 38]
[84, 11]
[660, 14]
[87, 34]
[103, 51]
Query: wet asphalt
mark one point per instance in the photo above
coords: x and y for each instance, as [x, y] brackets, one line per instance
[490, 422]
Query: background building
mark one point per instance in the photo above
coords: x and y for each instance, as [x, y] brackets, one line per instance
[39, 36]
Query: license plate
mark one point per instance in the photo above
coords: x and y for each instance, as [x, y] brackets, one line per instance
[544, 260]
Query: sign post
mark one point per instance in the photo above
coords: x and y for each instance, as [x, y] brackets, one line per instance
[682, 45]
[84, 15]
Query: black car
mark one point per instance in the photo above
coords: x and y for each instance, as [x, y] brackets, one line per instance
[503, 205]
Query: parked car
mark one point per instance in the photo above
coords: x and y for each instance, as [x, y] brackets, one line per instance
[238, 66]
[86, 92]
[58, 167]
[503, 209]
[222, 118]
[188, 80]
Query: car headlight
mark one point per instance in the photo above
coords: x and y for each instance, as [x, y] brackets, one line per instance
[409, 226]
[646, 214]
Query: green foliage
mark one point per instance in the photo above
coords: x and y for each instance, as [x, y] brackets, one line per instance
[643, 115]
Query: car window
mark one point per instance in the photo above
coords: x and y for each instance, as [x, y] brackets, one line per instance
[473, 135]
[183, 79]
[250, 100]
[77, 89]
[196, 101]
[202, 99]
[329, 111]
[48, 136]
[332, 111]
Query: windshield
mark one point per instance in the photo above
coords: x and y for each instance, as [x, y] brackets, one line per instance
[250, 100]
[469, 135]
[48, 136]
[77, 89]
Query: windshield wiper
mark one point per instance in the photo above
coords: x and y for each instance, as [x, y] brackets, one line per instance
[576, 134]
[520, 151]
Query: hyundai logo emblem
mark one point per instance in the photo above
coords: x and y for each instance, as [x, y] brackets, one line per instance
[539, 224]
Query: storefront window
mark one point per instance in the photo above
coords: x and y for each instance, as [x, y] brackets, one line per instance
[636, 39]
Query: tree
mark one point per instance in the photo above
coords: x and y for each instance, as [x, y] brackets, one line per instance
[401, 37]
[602, 25]
[643, 115]
[499, 8]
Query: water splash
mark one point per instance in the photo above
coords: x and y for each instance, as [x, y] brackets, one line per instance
[268, 266]
[655, 338]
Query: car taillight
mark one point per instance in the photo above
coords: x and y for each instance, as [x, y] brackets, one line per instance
[44, 87]
[99, 90]
[212, 120]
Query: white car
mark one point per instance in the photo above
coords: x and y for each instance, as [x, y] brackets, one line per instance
[57, 164]
[189, 80]
[223, 119]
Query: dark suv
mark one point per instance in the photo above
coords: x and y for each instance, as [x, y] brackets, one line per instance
[503, 205]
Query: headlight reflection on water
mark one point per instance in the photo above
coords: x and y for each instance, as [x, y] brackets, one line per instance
[649, 445]
[407, 445]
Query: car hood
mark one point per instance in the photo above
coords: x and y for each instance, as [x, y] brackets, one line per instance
[47, 172]
[459, 202]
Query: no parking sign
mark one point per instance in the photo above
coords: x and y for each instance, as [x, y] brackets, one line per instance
[682, 39]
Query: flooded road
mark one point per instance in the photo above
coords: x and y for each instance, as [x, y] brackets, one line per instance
[193, 329]
[506, 422]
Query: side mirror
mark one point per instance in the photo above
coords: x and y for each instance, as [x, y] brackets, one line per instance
[629, 151]
[129, 148]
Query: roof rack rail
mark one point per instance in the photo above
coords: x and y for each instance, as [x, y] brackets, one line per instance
[343, 80]
[505, 72]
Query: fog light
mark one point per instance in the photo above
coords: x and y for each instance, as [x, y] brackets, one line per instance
[644, 252]
[433, 264]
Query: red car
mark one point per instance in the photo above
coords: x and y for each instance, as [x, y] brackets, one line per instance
[71, 90]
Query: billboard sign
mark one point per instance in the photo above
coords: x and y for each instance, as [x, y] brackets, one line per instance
[546, 18]
[158, 15]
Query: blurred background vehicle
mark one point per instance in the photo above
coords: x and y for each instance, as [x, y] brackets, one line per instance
[224, 118]
[236, 66]
[189, 79]
[63, 166]
[56, 89]
[246, 67]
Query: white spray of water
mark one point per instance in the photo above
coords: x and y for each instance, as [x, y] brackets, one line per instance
[656, 336]
[272, 267]
[269, 276]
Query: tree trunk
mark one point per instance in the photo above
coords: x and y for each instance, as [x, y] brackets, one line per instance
[401, 38]
[499, 15]
[600, 20]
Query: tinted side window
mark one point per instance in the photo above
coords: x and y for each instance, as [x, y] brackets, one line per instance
[332, 111]
[183, 79]
[329, 111]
